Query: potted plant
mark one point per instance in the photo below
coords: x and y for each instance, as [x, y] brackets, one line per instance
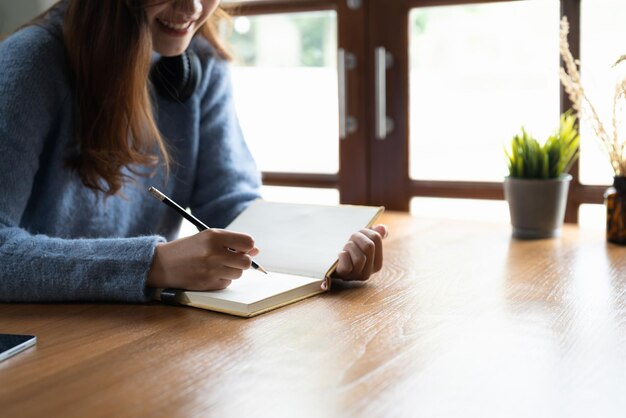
[537, 185]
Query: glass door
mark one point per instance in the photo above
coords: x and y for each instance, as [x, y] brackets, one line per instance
[460, 77]
[293, 74]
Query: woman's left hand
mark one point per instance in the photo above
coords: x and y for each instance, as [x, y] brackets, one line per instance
[362, 255]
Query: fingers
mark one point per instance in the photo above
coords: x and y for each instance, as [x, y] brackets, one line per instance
[361, 263]
[203, 261]
[381, 229]
[222, 284]
[363, 254]
[344, 267]
[236, 249]
[220, 238]
[236, 260]
[377, 239]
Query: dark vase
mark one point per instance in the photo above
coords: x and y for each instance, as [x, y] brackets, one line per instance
[615, 200]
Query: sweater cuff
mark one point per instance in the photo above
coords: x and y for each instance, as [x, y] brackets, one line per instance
[137, 266]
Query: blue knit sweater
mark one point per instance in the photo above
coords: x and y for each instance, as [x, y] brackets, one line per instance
[61, 242]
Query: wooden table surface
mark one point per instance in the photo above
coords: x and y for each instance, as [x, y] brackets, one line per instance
[463, 321]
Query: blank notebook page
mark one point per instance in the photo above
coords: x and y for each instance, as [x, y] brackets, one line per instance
[255, 286]
[301, 239]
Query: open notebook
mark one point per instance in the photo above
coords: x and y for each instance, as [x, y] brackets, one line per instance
[299, 245]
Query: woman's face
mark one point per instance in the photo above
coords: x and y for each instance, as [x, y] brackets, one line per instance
[174, 22]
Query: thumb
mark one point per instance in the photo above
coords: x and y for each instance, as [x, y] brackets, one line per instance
[381, 229]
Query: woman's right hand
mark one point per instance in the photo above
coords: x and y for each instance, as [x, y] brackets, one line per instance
[204, 261]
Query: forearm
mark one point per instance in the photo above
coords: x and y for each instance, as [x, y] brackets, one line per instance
[43, 269]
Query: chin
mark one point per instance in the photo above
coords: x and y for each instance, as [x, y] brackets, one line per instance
[170, 50]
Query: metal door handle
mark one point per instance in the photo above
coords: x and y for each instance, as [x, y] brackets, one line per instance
[383, 61]
[346, 61]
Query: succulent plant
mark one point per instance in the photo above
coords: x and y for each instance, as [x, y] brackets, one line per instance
[527, 158]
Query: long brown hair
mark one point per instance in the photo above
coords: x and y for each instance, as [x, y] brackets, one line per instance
[109, 47]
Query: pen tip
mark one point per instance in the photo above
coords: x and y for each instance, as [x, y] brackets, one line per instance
[262, 270]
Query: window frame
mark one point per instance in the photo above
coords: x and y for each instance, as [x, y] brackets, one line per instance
[394, 170]
[352, 177]
[373, 171]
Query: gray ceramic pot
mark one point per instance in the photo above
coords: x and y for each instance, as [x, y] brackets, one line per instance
[537, 207]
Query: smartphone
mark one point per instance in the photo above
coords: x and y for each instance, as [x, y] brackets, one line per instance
[11, 344]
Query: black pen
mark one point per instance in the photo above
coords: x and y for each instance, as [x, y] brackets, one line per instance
[197, 222]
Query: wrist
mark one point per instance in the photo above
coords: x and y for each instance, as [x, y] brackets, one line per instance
[156, 274]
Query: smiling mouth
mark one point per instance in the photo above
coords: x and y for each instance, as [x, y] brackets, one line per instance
[180, 27]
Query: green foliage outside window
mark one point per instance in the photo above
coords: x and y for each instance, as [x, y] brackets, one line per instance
[314, 35]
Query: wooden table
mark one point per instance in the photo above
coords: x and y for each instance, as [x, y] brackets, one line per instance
[463, 321]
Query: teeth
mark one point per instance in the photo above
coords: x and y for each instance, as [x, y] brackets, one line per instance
[176, 26]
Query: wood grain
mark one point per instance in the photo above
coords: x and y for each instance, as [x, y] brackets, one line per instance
[463, 321]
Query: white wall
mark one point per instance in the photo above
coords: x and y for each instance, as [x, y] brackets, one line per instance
[13, 13]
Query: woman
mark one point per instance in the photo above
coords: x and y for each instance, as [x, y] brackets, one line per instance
[82, 136]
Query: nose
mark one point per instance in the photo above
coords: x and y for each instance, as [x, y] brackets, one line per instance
[187, 8]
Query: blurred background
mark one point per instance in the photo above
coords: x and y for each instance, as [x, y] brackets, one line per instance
[14, 13]
[477, 73]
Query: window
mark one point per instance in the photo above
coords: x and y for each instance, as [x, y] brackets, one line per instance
[440, 86]
[602, 26]
[429, 93]
[469, 93]
[285, 82]
[287, 95]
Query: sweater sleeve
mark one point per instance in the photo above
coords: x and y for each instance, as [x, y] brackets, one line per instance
[227, 178]
[39, 268]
